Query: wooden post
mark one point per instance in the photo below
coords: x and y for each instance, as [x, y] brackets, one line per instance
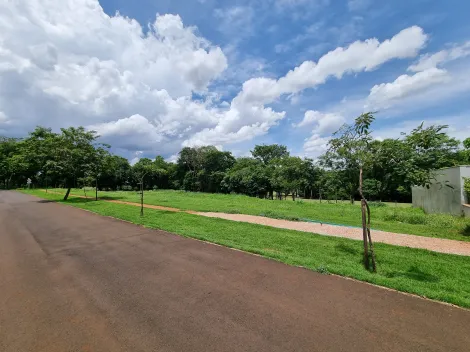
[364, 235]
[142, 197]
[364, 223]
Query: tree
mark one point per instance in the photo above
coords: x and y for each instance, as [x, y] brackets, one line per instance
[247, 176]
[390, 168]
[330, 185]
[465, 153]
[429, 149]
[340, 159]
[269, 155]
[12, 161]
[289, 175]
[350, 147]
[70, 154]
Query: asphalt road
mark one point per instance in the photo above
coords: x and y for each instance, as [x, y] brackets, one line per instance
[74, 281]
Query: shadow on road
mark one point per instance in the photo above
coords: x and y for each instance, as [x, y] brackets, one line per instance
[45, 201]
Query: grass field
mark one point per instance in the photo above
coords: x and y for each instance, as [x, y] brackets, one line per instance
[398, 219]
[434, 275]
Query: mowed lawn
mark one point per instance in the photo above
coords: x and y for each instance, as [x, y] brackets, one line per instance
[399, 219]
[438, 276]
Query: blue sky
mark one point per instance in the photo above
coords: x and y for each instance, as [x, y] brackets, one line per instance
[187, 101]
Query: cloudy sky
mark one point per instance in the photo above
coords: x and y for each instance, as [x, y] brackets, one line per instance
[152, 76]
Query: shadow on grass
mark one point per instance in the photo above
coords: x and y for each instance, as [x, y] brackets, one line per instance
[466, 230]
[111, 197]
[347, 248]
[414, 273]
[75, 200]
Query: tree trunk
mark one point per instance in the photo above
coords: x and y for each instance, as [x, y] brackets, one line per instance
[364, 224]
[67, 193]
[271, 194]
[9, 181]
[371, 247]
[364, 235]
[96, 188]
[369, 255]
[293, 196]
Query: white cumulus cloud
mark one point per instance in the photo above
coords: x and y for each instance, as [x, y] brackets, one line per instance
[75, 65]
[405, 86]
[324, 123]
[248, 107]
[66, 62]
[359, 56]
[428, 61]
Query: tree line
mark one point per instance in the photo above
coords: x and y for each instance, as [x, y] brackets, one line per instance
[74, 157]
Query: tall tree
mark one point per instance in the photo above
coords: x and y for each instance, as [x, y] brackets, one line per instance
[267, 153]
[430, 148]
[289, 175]
[70, 154]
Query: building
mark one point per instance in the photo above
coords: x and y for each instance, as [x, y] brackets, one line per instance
[446, 193]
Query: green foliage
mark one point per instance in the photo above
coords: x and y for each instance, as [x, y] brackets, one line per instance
[267, 153]
[429, 149]
[392, 218]
[73, 156]
[433, 275]
[466, 186]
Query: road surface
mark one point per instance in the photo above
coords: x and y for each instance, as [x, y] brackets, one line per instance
[74, 281]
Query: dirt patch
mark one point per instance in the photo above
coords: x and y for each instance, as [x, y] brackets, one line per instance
[429, 243]
[396, 239]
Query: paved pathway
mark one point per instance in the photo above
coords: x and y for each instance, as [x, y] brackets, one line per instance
[430, 243]
[75, 281]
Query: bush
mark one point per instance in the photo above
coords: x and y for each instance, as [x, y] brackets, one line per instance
[466, 187]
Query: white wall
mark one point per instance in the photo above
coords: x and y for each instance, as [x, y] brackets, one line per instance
[440, 198]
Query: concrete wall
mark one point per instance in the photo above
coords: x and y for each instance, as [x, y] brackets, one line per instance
[440, 198]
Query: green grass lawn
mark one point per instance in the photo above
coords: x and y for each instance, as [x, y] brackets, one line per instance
[391, 218]
[434, 275]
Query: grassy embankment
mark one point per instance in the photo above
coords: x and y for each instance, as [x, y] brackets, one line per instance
[387, 218]
[434, 275]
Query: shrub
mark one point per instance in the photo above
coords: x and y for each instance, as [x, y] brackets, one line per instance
[466, 187]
